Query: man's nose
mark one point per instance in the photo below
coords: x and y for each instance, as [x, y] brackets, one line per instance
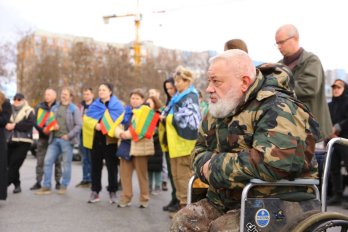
[210, 89]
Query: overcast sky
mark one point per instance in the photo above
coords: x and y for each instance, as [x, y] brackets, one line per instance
[191, 24]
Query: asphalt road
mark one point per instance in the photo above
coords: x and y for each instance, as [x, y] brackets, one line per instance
[27, 212]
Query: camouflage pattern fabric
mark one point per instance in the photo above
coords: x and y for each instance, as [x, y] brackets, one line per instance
[270, 136]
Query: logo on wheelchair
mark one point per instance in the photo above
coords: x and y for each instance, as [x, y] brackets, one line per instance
[262, 218]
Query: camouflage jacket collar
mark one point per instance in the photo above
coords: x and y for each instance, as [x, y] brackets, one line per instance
[270, 79]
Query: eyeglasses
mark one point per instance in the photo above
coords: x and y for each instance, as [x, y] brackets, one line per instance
[281, 42]
[17, 99]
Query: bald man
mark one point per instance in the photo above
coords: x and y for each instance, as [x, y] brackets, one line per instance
[46, 105]
[309, 76]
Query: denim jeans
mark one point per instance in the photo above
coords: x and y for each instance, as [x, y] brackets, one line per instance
[155, 178]
[86, 163]
[55, 149]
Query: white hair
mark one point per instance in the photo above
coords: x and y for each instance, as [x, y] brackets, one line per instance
[238, 61]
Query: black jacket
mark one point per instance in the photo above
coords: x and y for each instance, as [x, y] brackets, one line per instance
[4, 119]
[339, 112]
[44, 106]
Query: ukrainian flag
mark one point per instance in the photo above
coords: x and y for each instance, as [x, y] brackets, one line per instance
[182, 121]
[110, 117]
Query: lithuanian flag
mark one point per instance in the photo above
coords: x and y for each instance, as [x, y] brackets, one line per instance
[42, 116]
[106, 123]
[144, 123]
[51, 123]
[108, 117]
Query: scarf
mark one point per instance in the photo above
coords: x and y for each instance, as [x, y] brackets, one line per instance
[291, 61]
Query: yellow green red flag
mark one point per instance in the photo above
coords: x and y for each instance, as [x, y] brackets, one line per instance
[42, 116]
[144, 123]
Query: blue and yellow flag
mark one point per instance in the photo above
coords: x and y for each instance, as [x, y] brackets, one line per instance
[182, 121]
[109, 117]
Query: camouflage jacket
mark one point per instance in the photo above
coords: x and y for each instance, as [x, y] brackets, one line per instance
[270, 136]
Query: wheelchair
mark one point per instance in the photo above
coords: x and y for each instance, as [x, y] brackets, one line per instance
[271, 214]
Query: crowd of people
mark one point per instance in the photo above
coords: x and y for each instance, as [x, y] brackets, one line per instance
[109, 133]
[257, 120]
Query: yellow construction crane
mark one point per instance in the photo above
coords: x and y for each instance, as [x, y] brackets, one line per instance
[137, 44]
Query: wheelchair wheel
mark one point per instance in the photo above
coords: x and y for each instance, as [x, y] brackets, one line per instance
[323, 222]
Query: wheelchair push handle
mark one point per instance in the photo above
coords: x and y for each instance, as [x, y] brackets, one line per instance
[325, 178]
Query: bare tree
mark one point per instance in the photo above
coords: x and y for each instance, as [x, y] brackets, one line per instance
[7, 61]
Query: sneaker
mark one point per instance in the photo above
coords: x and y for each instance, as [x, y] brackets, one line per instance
[17, 189]
[143, 205]
[83, 184]
[43, 191]
[94, 197]
[58, 185]
[62, 190]
[164, 186]
[123, 204]
[112, 196]
[157, 191]
[36, 186]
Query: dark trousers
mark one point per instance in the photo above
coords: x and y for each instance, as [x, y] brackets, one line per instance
[340, 153]
[171, 177]
[42, 145]
[17, 151]
[98, 154]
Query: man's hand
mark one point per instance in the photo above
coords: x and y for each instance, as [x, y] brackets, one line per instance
[45, 131]
[98, 127]
[162, 118]
[123, 135]
[205, 169]
[10, 126]
[65, 137]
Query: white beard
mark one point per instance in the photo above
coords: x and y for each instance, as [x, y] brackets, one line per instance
[226, 105]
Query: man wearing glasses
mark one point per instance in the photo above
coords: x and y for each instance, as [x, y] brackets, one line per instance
[308, 75]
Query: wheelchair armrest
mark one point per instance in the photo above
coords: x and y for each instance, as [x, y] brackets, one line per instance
[299, 181]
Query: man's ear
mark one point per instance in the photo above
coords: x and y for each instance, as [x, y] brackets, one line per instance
[246, 82]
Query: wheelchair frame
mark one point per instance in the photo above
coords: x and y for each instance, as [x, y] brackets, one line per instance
[322, 217]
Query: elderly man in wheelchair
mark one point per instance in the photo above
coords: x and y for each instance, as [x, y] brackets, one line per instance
[255, 129]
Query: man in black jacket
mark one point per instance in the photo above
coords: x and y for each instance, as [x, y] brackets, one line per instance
[44, 108]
